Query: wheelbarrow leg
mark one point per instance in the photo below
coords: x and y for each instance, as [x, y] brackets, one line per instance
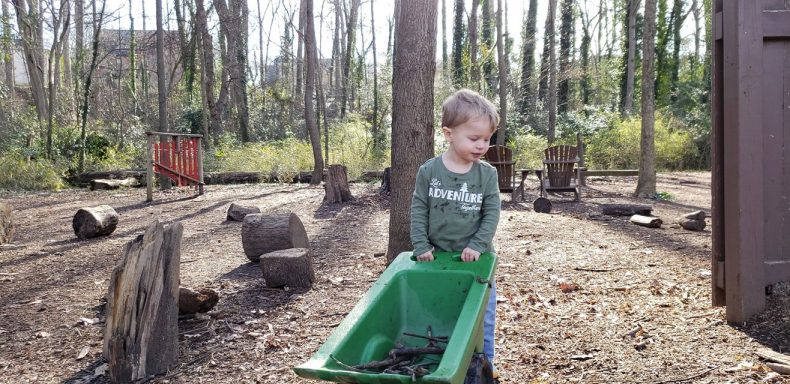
[480, 370]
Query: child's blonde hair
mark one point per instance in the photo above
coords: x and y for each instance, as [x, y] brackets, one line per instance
[465, 105]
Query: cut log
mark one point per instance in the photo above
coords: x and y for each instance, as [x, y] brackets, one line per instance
[291, 267]
[337, 190]
[200, 301]
[84, 179]
[95, 221]
[385, 181]
[771, 355]
[541, 205]
[141, 334]
[626, 209]
[696, 215]
[782, 369]
[100, 184]
[237, 212]
[692, 225]
[262, 233]
[647, 221]
[6, 224]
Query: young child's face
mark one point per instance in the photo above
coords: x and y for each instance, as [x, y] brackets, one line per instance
[469, 140]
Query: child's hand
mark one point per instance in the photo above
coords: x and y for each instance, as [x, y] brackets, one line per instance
[470, 254]
[427, 256]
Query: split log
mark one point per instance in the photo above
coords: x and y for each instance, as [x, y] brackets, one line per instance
[626, 209]
[337, 190]
[385, 181]
[541, 205]
[141, 334]
[262, 233]
[6, 224]
[782, 369]
[237, 212]
[694, 221]
[771, 355]
[100, 184]
[94, 221]
[647, 221]
[291, 267]
[202, 300]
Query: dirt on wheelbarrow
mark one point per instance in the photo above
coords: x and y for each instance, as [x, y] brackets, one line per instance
[583, 297]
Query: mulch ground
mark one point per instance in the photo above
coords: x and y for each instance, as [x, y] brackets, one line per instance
[582, 297]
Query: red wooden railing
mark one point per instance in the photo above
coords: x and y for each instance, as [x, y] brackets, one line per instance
[176, 156]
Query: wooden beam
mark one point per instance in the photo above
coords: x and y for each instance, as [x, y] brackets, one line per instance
[776, 24]
[610, 172]
[776, 271]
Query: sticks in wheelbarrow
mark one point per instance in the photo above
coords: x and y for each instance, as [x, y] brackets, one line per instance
[398, 355]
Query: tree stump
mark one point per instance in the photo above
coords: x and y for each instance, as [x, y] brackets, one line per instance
[694, 221]
[94, 221]
[385, 181]
[337, 190]
[202, 300]
[262, 233]
[141, 334]
[6, 224]
[626, 209]
[647, 221]
[237, 212]
[291, 267]
[541, 205]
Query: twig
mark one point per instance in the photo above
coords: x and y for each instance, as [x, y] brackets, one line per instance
[702, 315]
[595, 269]
[438, 339]
[346, 366]
[697, 376]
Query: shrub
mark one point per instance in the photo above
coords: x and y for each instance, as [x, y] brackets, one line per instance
[18, 173]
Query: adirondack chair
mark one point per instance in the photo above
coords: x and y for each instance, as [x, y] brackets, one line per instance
[501, 157]
[559, 173]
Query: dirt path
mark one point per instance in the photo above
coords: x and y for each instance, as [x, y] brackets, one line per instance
[654, 281]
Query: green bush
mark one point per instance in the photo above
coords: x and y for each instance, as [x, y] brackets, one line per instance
[282, 159]
[528, 150]
[18, 173]
[619, 146]
[351, 144]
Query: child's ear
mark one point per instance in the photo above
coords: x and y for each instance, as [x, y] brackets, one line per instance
[447, 133]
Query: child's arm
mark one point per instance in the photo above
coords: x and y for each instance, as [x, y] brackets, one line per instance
[419, 215]
[482, 239]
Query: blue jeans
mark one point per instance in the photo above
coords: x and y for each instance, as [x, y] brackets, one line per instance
[489, 322]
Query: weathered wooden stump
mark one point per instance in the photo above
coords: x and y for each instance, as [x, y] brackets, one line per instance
[141, 334]
[94, 221]
[262, 233]
[291, 267]
[541, 205]
[626, 209]
[694, 221]
[647, 221]
[385, 181]
[202, 300]
[100, 184]
[6, 224]
[337, 190]
[237, 212]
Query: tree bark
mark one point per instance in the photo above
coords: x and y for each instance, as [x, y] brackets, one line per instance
[527, 96]
[292, 267]
[237, 212]
[141, 333]
[351, 25]
[53, 66]
[552, 96]
[412, 112]
[500, 48]
[567, 32]
[458, 44]
[262, 233]
[28, 21]
[96, 221]
[310, 70]
[628, 96]
[473, 46]
[6, 224]
[8, 52]
[337, 190]
[444, 38]
[97, 28]
[646, 185]
[207, 67]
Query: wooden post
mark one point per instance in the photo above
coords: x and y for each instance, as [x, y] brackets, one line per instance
[149, 175]
[200, 165]
[141, 334]
[580, 154]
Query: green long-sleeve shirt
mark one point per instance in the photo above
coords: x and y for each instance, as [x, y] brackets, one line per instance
[451, 211]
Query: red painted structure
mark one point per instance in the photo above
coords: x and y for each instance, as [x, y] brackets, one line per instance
[176, 156]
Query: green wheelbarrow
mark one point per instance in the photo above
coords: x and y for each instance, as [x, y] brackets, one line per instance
[413, 306]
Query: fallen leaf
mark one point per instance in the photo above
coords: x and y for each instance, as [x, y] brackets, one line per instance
[83, 352]
[568, 287]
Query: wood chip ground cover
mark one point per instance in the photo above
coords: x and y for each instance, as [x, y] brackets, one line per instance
[583, 297]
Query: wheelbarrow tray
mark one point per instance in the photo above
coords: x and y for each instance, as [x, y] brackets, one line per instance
[447, 294]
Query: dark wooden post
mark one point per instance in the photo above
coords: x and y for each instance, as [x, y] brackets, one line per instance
[580, 154]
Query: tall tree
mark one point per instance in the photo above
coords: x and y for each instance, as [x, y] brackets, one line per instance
[378, 135]
[351, 27]
[8, 49]
[587, 29]
[473, 47]
[444, 38]
[458, 44]
[98, 20]
[545, 65]
[412, 110]
[646, 185]
[629, 67]
[233, 18]
[503, 78]
[161, 74]
[487, 46]
[310, 70]
[663, 36]
[677, 24]
[552, 95]
[215, 109]
[567, 31]
[527, 97]
[28, 21]
[59, 20]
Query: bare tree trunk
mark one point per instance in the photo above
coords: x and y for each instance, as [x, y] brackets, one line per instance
[475, 70]
[8, 49]
[378, 135]
[53, 67]
[500, 48]
[28, 21]
[311, 61]
[349, 54]
[233, 25]
[97, 27]
[66, 52]
[444, 35]
[215, 109]
[300, 56]
[646, 186]
[412, 110]
[698, 21]
[628, 98]
[552, 96]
